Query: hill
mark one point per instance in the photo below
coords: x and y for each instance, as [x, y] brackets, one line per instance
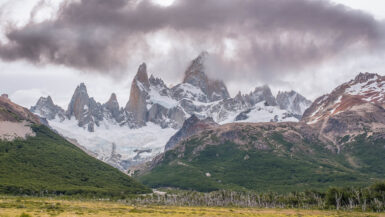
[43, 162]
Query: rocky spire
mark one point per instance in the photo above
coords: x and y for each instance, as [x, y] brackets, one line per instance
[46, 108]
[113, 98]
[79, 102]
[85, 109]
[139, 91]
[196, 76]
[142, 76]
[260, 94]
[112, 105]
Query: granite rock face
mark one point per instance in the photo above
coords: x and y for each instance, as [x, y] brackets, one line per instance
[112, 109]
[84, 109]
[195, 75]
[139, 92]
[46, 108]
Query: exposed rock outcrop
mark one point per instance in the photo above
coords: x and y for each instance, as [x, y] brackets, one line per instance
[113, 110]
[15, 120]
[84, 109]
[46, 108]
[190, 127]
[12, 112]
[196, 76]
[137, 104]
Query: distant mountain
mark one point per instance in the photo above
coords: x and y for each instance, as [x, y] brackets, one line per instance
[195, 75]
[293, 102]
[351, 109]
[339, 142]
[155, 112]
[35, 160]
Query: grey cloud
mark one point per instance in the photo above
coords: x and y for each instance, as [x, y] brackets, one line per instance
[272, 36]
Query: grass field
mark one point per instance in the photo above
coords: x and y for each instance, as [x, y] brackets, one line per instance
[27, 207]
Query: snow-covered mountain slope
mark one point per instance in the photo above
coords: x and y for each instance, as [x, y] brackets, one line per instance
[121, 147]
[155, 112]
[262, 113]
[365, 88]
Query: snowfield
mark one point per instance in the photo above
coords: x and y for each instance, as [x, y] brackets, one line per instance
[127, 141]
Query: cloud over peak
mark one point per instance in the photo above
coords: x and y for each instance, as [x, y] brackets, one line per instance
[267, 36]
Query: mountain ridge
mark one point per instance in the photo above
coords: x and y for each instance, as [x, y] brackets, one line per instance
[152, 103]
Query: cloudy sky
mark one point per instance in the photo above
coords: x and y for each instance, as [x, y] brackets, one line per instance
[47, 47]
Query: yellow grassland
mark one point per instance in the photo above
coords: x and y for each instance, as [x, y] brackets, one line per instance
[28, 206]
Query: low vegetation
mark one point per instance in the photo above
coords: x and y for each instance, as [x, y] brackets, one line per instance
[49, 165]
[279, 167]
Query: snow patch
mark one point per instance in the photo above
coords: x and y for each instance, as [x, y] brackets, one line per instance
[165, 101]
[262, 113]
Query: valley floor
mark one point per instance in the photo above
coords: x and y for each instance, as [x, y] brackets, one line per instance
[28, 207]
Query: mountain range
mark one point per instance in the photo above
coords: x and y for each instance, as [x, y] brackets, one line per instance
[340, 141]
[127, 136]
[195, 136]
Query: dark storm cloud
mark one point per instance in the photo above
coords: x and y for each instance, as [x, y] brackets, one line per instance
[100, 35]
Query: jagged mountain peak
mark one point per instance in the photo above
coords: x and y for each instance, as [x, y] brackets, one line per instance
[199, 61]
[113, 98]
[81, 88]
[158, 82]
[261, 93]
[262, 89]
[365, 88]
[137, 104]
[80, 92]
[196, 76]
[142, 76]
[85, 109]
[364, 77]
[293, 102]
[112, 105]
[46, 108]
[79, 99]
[45, 100]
